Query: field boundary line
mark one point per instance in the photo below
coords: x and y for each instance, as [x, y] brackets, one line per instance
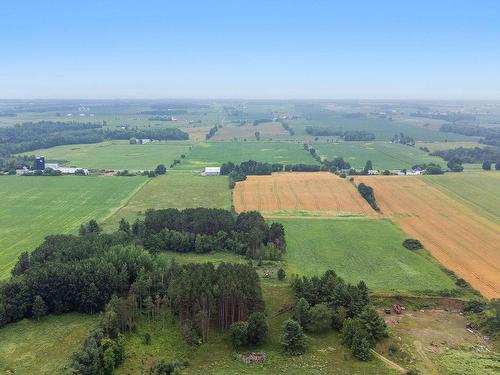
[125, 201]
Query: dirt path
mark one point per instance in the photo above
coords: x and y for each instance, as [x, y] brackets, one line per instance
[430, 368]
[387, 361]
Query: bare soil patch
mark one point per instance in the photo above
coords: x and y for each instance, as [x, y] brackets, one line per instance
[321, 191]
[457, 237]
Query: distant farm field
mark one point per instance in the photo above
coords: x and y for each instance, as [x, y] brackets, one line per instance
[216, 153]
[481, 190]
[43, 347]
[34, 207]
[360, 249]
[180, 190]
[116, 155]
[321, 191]
[267, 131]
[383, 155]
[456, 235]
[383, 128]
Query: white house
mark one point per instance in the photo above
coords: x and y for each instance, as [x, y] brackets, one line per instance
[373, 172]
[211, 171]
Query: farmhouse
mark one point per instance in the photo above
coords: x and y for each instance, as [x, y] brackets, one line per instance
[211, 171]
[373, 172]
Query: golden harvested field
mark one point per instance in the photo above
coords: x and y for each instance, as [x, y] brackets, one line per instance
[457, 236]
[304, 191]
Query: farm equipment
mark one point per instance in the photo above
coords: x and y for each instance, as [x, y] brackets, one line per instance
[387, 311]
[398, 309]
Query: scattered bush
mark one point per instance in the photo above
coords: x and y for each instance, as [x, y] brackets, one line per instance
[412, 244]
[239, 334]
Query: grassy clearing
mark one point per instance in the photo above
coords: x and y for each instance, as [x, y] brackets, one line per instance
[34, 207]
[470, 362]
[116, 154]
[177, 191]
[382, 154]
[325, 354]
[361, 249]
[44, 347]
[215, 153]
[478, 190]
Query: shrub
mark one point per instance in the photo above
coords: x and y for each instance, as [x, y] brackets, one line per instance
[257, 328]
[146, 339]
[281, 274]
[293, 340]
[320, 318]
[412, 244]
[238, 333]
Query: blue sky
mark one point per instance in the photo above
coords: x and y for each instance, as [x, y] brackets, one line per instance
[250, 49]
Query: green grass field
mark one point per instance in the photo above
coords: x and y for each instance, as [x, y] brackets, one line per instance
[325, 354]
[383, 155]
[43, 347]
[479, 190]
[361, 249]
[180, 190]
[34, 207]
[215, 153]
[116, 155]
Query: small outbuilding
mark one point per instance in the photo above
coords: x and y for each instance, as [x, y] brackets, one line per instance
[211, 171]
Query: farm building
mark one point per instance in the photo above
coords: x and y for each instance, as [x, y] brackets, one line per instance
[65, 170]
[373, 172]
[211, 171]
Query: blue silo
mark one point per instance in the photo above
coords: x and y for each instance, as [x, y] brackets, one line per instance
[40, 163]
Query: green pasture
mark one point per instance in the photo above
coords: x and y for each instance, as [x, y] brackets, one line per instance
[117, 155]
[34, 207]
[42, 347]
[479, 190]
[215, 153]
[384, 155]
[180, 190]
[360, 249]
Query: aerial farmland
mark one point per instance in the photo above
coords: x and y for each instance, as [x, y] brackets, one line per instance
[394, 214]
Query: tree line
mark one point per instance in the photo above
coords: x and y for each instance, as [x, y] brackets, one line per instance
[470, 155]
[239, 172]
[349, 135]
[202, 230]
[30, 136]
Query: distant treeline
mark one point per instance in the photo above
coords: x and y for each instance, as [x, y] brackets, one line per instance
[161, 112]
[211, 132]
[253, 168]
[350, 135]
[470, 155]
[287, 127]
[450, 116]
[473, 131]
[31, 136]
[261, 121]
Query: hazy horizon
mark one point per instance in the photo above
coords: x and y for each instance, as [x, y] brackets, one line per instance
[251, 51]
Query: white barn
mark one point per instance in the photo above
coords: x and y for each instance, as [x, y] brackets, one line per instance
[211, 171]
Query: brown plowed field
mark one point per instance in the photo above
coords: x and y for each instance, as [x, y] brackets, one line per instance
[459, 238]
[304, 191]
